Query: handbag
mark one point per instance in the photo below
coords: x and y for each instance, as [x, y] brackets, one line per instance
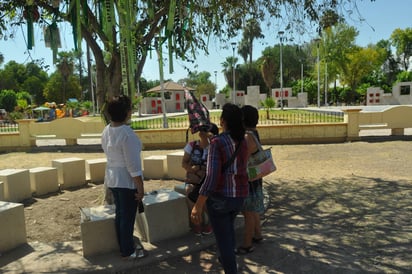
[196, 178]
[260, 163]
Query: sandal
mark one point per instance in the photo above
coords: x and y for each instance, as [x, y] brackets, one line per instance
[244, 250]
[257, 240]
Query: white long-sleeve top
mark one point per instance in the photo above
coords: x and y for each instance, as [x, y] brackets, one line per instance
[122, 148]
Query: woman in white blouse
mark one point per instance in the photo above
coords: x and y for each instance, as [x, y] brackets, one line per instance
[124, 176]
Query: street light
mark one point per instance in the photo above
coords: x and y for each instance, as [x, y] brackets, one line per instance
[215, 80]
[326, 83]
[234, 75]
[280, 33]
[301, 59]
[301, 76]
[317, 40]
[326, 74]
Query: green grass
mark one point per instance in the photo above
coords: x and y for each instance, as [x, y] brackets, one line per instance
[274, 117]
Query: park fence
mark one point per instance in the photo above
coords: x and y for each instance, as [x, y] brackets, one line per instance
[290, 118]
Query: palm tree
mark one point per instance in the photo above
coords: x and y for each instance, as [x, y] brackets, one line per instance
[251, 31]
[268, 104]
[228, 66]
[268, 70]
[243, 50]
[65, 66]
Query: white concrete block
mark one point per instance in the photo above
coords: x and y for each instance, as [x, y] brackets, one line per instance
[71, 171]
[16, 184]
[98, 231]
[174, 166]
[180, 189]
[155, 167]
[13, 226]
[44, 180]
[95, 169]
[165, 216]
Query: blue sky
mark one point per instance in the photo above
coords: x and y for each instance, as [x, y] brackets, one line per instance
[380, 19]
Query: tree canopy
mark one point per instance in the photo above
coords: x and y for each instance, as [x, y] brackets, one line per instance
[123, 33]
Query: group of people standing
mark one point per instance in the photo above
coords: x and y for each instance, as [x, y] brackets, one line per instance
[225, 190]
[221, 191]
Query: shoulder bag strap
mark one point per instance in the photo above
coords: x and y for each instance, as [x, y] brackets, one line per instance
[230, 161]
[259, 146]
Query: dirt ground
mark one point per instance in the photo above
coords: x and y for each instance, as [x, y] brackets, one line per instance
[334, 208]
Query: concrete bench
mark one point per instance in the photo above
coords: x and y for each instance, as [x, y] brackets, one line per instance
[155, 167]
[95, 170]
[374, 126]
[394, 131]
[45, 136]
[180, 189]
[98, 232]
[35, 137]
[71, 172]
[43, 180]
[16, 184]
[174, 166]
[13, 226]
[164, 217]
[91, 135]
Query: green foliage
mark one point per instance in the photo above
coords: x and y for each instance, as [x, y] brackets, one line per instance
[57, 90]
[8, 100]
[268, 104]
[404, 76]
[201, 82]
[402, 41]
[361, 63]
[12, 76]
[250, 73]
[348, 96]
[361, 91]
[30, 78]
[226, 91]
[16, 115]
[87, 105]
[24, 95]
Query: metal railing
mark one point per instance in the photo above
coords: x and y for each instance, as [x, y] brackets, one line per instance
[182, 121]
[272, 119]
[301, 118]
[9, 127]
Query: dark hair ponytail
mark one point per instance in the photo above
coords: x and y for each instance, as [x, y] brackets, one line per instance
[233, 117]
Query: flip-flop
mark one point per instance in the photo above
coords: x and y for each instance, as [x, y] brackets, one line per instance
[244, 250]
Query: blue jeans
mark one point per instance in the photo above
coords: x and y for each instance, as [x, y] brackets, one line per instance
[222, 213]
[126, 208]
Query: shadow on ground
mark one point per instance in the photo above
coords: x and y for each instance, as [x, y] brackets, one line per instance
[340, 225]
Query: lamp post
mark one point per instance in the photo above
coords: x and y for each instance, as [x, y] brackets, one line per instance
[215, 80]
[301, 75]
[280, 33]
[326, 83]
[234, 75]
[317, 61]
[301, 59]
[158, 47]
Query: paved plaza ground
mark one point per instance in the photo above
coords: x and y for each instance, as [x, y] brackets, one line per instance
[334, 208]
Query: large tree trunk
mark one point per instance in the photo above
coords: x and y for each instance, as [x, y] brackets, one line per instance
[108, 77]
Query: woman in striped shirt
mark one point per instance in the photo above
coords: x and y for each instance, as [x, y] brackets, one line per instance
[226, 184]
